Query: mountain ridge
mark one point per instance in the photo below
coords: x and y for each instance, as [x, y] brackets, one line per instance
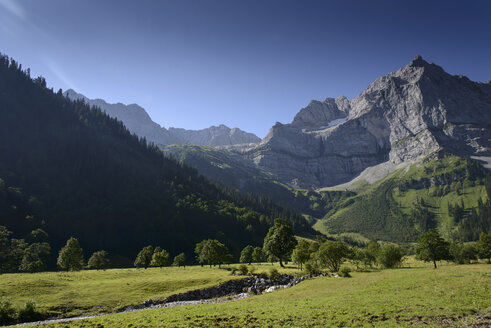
[137, 120]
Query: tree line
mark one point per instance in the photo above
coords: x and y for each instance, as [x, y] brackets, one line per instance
[280, 244]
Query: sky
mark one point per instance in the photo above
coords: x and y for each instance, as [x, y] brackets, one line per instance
[247, 64]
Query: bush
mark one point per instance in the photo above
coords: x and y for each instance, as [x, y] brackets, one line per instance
[332, 254]
[345, 272]
[243, 269]
[311, 268]
[390, 256]
[463, 253]
[273, 274]
[233, 271]
[29, 313]
[7, 312]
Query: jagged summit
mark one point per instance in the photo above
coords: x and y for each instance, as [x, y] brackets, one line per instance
[418, 61]
[429, 67]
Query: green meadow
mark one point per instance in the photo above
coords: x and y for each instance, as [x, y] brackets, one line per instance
[91, 291]
[415, 295]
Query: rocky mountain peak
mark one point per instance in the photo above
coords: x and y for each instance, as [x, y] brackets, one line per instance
[402, 117]
[419, 68]
[418, 61]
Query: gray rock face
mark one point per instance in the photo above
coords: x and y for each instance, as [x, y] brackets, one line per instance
[401, 117]
[137, 120]
[215, 136]
[322, 113]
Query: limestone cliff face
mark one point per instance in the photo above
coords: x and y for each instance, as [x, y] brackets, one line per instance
[137, 120]
[402, 117]
[322, 113]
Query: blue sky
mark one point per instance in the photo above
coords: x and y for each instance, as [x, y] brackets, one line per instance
[246, 64]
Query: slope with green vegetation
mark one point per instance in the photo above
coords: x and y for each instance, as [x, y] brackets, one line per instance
[449, 193]
[74, 171]
[233, 170]
[419, 296]
[397, 208]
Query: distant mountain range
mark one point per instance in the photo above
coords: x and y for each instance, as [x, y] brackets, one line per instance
[137, 120]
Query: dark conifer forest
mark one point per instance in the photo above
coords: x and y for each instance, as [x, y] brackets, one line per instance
[71, 170]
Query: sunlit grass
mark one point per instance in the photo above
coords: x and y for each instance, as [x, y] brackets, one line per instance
[73, 293]
[417, 296]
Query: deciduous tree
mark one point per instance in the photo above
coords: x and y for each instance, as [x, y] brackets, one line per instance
[35, 257]
[258, 255]
[144, 258]
[484, 246]
[371, 253]
[212, 252]
[160, 258]
[180, 260]
[246, 254]
[301, 253]
[431, 247]
[280, 240]
[331, 254]
[98, 260]
[71, 256]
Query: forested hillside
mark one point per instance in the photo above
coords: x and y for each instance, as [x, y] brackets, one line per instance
[71, 170]
[448, 192]
[230, 169]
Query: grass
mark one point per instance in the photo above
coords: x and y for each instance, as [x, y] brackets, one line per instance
[89, 292]
[74, 293]
[418, 296]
